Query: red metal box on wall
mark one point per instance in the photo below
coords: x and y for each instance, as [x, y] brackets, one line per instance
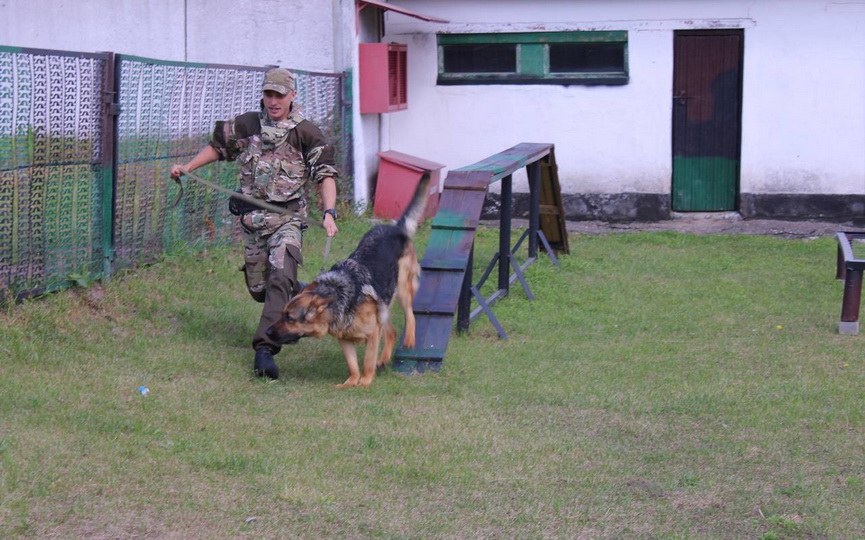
[383, 82]
[398, 177]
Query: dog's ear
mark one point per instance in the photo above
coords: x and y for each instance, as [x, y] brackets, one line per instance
[320, 289]
[317, 307]
[324, 293]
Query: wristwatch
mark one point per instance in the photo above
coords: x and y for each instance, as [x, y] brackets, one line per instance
[332, 212]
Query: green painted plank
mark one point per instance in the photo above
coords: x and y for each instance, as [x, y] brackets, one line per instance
[507, 162]
[447, 242]
[418, 354]
[449, 219]
[467, 180]
[441, 292]
[444, 263]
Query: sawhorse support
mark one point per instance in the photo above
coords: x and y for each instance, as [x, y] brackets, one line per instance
[446, 287]
[505, 258]
[850, 269]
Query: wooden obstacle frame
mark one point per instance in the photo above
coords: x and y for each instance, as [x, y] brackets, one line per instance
[446, 288]
[849, 268]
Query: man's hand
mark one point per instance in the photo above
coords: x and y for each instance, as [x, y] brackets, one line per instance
[206, 155]
[176, 171]
[330, 225]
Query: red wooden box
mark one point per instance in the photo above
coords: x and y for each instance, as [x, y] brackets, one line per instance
[398, 177]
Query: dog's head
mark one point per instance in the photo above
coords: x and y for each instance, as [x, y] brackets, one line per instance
[305, 315]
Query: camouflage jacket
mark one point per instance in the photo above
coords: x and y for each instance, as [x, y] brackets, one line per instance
[276, 159]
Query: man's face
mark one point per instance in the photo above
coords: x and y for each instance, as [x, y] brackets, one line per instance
[278, 105]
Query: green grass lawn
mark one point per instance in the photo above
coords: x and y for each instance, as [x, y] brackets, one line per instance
[662, 385]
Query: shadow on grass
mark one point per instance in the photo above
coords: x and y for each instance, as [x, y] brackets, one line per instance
[318, 360]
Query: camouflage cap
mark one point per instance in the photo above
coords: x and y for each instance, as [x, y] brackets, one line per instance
[279, 80]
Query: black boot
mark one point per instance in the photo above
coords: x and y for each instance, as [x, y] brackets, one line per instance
[265, 366]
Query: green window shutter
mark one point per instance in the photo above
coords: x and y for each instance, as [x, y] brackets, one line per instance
[582, 57]
[532, 56]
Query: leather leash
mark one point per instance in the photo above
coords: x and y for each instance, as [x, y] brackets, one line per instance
[256, 202]
[325, 254]
[246, 198]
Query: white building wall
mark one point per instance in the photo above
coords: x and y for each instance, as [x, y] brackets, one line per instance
[289, 33]
[804, 98]
[142, 28]
[608, 138]
[803, 113]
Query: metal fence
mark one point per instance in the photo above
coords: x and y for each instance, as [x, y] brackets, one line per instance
[86, 144]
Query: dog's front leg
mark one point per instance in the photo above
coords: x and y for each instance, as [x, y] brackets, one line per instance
[350, 352]
[369, 357]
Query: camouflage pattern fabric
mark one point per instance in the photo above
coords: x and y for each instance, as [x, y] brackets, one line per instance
[279, 80]
[261, 252]
[261, 228]
[276, 164]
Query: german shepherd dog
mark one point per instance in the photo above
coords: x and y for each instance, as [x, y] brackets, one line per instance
[352, 300]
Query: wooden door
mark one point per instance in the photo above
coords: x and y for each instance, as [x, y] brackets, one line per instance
[707, 119]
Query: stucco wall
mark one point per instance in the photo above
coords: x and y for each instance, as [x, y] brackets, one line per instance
[292, 33]
[804, 81]
[608, 139]
[804, 98]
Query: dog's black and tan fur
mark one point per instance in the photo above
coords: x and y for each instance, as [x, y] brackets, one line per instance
[351, 301]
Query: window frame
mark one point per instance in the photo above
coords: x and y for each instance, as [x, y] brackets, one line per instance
[533, 58]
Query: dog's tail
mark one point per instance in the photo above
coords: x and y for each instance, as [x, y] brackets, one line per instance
[413, 214]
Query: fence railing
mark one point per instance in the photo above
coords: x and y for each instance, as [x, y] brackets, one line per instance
[86, 144]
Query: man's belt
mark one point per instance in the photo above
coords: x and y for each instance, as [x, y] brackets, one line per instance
[239, 206]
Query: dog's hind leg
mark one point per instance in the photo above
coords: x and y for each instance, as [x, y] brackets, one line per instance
[350, 352]
[407, 285]
[369, 357]
[389, 334]
[409, 339]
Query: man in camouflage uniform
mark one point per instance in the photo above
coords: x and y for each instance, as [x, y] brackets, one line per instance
[278, 153]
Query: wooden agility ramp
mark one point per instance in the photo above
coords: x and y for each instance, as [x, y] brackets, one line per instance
[446, 288]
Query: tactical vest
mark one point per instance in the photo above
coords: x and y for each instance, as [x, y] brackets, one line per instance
[270, 167]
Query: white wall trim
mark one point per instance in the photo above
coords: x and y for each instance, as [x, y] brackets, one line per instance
[645, 25]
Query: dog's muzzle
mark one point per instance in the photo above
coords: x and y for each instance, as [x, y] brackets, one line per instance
[283, 339]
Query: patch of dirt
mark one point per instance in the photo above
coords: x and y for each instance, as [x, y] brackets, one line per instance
[712, 223]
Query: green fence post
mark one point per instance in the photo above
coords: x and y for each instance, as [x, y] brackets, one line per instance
[108, 159]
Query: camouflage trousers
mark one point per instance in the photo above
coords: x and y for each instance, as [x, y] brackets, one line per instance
[272, 246]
